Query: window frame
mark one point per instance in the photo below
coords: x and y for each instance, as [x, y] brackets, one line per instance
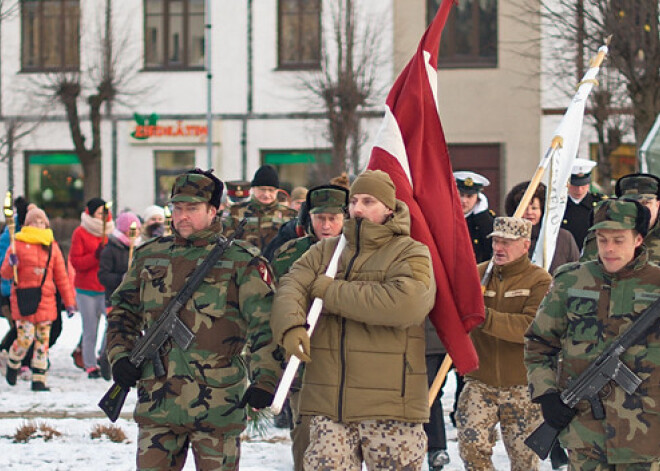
[169, 171]
[463, 61]
[299, 65]
[78, 203]
[165, 40]
[40, 59]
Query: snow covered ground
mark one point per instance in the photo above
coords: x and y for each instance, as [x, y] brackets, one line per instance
[70, 408]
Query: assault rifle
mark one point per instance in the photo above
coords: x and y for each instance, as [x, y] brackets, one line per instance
[606, 367]
[167, 326]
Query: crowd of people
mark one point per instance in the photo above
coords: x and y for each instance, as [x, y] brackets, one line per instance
[361, 392]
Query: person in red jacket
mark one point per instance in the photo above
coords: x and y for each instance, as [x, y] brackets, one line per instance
[87, 242]
[39, 263]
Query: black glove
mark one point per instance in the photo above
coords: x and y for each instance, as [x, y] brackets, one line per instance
[555, 413]
[125, 373]
[256, 397]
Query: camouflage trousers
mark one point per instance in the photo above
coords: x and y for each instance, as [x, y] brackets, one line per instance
[165, 448]
[300, 432]
[480, 408]
[26, 333]
[382, 444]
[580, 462]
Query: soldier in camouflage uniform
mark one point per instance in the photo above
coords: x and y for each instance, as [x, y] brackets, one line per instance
[265, 215]
[327, 205]
[497, 391]
[201, 399]
[644, 188]
[589, 305]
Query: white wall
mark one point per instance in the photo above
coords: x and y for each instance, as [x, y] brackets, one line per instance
[184, 93]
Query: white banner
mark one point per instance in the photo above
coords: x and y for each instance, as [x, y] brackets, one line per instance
[561, 162]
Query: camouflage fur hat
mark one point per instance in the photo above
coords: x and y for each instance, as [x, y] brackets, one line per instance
[327, 199]
[637, 186]
[511, 228]
[197, 186]
[621, 214]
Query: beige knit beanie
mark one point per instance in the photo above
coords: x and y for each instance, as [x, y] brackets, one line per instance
[377, 184]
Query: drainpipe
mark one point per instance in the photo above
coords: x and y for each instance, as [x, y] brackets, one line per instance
[209, 86]
[249, 92]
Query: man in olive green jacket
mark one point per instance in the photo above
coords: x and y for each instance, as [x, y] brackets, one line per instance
[366, 386]
[497, 391]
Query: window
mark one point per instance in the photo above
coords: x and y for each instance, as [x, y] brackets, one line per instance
[50, 35]
[169, 164]
[483, 159]
[470, 35]
[298, 167]
[174, 34]
[54, 182]
[299, 34]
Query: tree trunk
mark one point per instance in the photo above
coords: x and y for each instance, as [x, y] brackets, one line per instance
[91, 165]
[646, 106]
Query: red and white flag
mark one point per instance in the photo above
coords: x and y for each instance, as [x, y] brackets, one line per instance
[411, 148]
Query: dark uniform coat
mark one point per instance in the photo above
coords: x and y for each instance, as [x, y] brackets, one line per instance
[480, 225]
[577, 217]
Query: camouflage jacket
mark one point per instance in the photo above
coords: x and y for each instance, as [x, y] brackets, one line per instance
[651, 241]
[291, 251]
[229, 310]
[585, 310]
[263, 221]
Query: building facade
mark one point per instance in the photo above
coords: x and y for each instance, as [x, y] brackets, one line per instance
[262, 52]
[493, 100]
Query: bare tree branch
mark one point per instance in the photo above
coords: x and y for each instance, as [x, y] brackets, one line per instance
[345, 84]
[630, 77]
[111, 76]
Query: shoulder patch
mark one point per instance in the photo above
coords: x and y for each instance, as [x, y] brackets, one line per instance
[568, 267]
[492, 213]
[247, 247]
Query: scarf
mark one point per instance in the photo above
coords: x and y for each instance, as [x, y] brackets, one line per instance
[95, 226]
[35, 235]
[121, 237]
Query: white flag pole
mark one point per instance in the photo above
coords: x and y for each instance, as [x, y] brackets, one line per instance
[577, 105]
[312, 319]
[569, 131]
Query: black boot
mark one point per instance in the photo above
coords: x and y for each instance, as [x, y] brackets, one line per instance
[39, 386]
[11, 375]
[104, 364]
[558, 457]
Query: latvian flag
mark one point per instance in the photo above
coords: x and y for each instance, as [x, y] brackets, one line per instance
[411, 148]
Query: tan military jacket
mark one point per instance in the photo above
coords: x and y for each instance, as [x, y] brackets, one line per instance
[367, 352]
[512, 296]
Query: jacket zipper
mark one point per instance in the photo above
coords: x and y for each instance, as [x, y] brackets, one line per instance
[342, 339]
[403, 375]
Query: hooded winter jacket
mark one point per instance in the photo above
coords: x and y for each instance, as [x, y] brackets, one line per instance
[32, 259]
[368, 347]
[83, 258]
